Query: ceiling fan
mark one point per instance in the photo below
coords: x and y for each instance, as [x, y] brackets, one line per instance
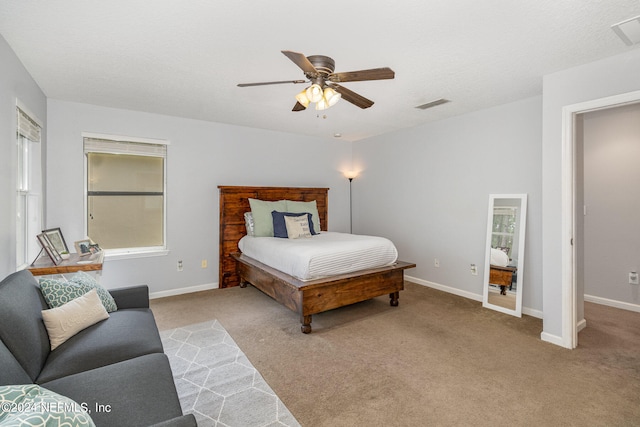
[325, 90]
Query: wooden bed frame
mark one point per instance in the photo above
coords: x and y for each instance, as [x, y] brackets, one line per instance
[304, 297]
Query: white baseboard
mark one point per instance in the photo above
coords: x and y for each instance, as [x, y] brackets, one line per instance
[180, 291]
[465, 294]
[581, 324]
[612, 303]
[531, 312]
[444, 288]
[553, 339]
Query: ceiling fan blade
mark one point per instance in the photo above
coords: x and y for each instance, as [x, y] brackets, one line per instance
[352, 97]
[301, 61]
[271, 83]
[362, 75]
[298, 107]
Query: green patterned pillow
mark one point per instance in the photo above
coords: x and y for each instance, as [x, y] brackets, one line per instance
[32, 405]
[58, 292]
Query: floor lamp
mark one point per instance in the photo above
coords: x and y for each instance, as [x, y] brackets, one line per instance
[350, 175]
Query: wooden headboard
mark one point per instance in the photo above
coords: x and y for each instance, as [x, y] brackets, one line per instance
[234, 202]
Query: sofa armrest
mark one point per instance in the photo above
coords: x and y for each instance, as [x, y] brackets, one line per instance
[131, 297]
[184, 421]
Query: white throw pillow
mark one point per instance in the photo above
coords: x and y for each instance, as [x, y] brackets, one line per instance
[297, 226]
[67, 320]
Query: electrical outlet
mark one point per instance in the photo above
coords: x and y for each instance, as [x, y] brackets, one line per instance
[179, 265]
[633, 278]
[203, 263]
[474, 269]
[436, 262]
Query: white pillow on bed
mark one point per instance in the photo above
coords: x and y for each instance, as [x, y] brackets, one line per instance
[301, 207]
[248, 223]
[297, 226]
[499, 258]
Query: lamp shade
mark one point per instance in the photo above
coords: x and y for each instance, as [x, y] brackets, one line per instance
[322, 104]
[351, 174]
[314, 92]
[331, 96]
[302, 98]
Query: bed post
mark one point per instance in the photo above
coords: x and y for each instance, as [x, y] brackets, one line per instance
[306, 324]
[394, 298]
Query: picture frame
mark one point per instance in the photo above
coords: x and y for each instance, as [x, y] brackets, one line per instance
[48, 247]
[83, 247]
[94, 248]
[57, 240]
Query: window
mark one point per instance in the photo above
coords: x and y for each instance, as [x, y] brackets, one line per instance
[28, 187]
[125, 194]
[504, 227]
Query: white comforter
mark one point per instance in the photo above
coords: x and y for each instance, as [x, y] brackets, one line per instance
[322, 255]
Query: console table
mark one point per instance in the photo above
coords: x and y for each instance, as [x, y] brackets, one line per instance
[44, 267]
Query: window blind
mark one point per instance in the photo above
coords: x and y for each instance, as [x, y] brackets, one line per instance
[28, 127]
[94, 145]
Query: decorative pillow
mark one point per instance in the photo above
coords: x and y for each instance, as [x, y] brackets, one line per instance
[261, 212]
[32, 405]
[279, 226]
[67, 320]
[297, 227]
[311, 207]
[58, 292]
[248, 223]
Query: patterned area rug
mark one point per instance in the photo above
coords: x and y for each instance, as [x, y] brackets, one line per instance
[217, 383]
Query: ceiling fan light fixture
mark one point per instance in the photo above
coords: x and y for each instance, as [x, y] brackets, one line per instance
[331, 96]
[325, 90]
[302, 98]
[322, 104]
[314, 92]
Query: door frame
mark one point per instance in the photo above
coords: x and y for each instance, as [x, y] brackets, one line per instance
[569, 212]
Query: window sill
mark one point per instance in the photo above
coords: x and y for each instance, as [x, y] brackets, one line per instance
[116, 255]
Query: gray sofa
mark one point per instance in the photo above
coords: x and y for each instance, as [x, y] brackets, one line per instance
[118, 363]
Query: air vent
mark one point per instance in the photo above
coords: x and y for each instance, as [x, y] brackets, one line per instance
[433, 103]
[628, 31]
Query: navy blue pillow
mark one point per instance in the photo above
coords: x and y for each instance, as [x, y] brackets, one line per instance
[279, 226]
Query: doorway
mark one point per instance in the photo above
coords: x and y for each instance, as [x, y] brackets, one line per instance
[572, 211]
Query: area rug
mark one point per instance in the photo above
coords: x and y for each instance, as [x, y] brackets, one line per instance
[217, 383]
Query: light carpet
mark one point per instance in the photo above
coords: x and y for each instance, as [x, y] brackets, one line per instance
[217, 383]
[437, 359]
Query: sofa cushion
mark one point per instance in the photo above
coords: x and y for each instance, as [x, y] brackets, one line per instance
[11, 371]
[124, 335]
[136, 392]
[131, 296]
[32, 405]
[58, 292]
[22, 330]
[67, 320]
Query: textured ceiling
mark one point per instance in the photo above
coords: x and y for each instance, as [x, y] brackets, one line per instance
[184, 58]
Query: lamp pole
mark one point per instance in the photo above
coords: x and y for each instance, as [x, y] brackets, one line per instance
[350, 208]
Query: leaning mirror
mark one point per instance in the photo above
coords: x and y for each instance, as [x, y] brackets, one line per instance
[504, 259]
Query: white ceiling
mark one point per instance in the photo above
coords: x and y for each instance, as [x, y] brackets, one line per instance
[184, 58]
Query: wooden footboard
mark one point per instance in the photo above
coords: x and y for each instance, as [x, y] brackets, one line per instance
[311, 297]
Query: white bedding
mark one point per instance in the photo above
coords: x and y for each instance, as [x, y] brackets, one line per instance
[325, 254]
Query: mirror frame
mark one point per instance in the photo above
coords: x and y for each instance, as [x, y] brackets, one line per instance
[520, 264]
